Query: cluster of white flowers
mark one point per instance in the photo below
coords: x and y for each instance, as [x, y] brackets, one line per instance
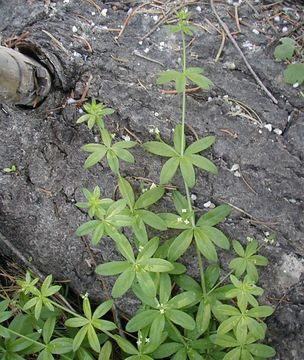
[154, 130]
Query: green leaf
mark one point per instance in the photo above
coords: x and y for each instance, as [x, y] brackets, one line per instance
[141, 320]
[200, 145]
[167, 76]
[152, 220]
[238, 265]
[180, 202]
[146, 283]
[286, 50]
[126, 191]
[48, 329]
[180, 83]
[62, 345]
[124, 145]
[97, 234]
[112, 268]
[123, 283]
[139, 230]
[228, 324]
[87, 227]
[205, 245]
[224, 340]
[106, 351]
[261, 350]
[160, 148]
[102, 309]
[181, 318]
[182, 300]
[216, 236]
[238, 248]
[294, 74]
[259, 260]
[251, 248]
[166, 350]
[116, 208]
[199, 80]
[95, 157]
[124, 155]
[203, 317]
[214, 216]
[149, 249]
[157, 265]
[106, 137]
[93, 339]
[125, 345]
[212, 274]
[260, 311]
[177, 138]
[149, 197]
[113, 162]
[78, 339]
[187, 171]
[76, 322]
[180, 244]
[233, 354]
[168, 170]
[228, 310]
[125, 248]
[164, 288]
[203, 163]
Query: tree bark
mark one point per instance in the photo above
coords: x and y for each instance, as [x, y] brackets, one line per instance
[23, 80]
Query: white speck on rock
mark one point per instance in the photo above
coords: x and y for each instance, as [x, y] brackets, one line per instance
[156, 114]
[237, 174]
[140, 42]
[277, 19]
[284, 29]
[235, 167]
[255, 31]
[104, 12]
[278, 131]
[198, 9]
[146, 50]
[74, 29]
[155, 18]
[268, 127]
[209, 205]
[193, 197]
[295, 85]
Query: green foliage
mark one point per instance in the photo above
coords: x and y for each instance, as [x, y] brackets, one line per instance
[217, 317]
[288, 50]
[10, 170]
[294, 74]
[95, 113]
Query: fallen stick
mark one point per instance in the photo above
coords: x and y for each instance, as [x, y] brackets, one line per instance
[258, 80]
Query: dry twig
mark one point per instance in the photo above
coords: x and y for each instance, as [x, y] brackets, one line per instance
[225, 27]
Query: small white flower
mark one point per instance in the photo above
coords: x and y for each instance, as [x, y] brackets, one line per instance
[85, 296]
[152, 186]
[186, 221]
[140, 248]
[179, 219]
[147, 340]
[295, 85]
[39, 331]
[162, 311]
[151, 131]
[249, 239]
[113, 135]
[156, 131]
[267, 233]
[126, 137]
[184, 210]
[138, 342]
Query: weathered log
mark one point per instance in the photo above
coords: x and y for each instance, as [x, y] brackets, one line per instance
[23, 80]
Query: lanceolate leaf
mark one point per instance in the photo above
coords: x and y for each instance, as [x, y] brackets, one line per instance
[168, 170]
[205, 245]
[187, 171]
[214, 216]
[126, 191]
[149, 197]
[160, 148]
[180, 244]
[203, 163]
[200, 145]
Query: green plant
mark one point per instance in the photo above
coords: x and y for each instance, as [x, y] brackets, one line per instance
[10, 170]
[286, 51]
[179, 318]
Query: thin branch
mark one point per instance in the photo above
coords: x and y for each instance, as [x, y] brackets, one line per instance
[225, 27]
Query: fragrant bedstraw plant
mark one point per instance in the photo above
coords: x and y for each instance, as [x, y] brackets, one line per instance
[180, 317]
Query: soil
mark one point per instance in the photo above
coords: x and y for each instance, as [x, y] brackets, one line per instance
[38, 215]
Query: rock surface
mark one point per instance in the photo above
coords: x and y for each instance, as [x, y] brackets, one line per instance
[37, 203]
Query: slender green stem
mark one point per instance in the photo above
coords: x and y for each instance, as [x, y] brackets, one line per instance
[220, 282]
[25, 337]
[65, 309]
[200, 261]
[183, 97]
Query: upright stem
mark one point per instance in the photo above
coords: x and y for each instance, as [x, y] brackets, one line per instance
[200, 261]
[183, 98]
